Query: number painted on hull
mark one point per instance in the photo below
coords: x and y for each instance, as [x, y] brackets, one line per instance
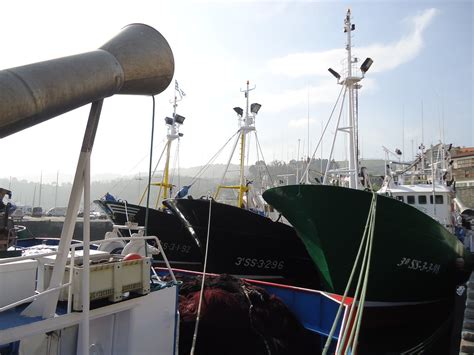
[419, 265]
[252, 263]
[180, 248]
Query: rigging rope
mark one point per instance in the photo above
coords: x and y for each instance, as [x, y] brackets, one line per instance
[177, 154]
[366, 243]
[153, 174]
[322, 135]
[248, 148]
[204, 167]
[173, 171]
[334, 139]
[196, 327]
[149, 170]
[263, 159]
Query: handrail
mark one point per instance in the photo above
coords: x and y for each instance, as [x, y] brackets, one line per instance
[31, 298]
[71, 265]
[136, 238]
[26, 257]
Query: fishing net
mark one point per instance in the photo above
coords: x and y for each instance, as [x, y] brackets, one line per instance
[239, 318]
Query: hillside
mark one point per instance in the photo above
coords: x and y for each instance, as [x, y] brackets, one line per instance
[131, 188]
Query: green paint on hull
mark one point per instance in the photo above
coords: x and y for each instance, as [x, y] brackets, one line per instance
[414, 257]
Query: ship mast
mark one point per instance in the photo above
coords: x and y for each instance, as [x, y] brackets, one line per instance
[351, 82]
[246, 125]
[173, 123]
[353, 155]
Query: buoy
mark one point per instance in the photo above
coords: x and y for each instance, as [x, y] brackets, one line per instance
[132, 256]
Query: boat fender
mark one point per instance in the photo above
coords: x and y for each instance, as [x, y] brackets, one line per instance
[132, 256]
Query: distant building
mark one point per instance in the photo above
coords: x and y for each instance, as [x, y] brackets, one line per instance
[463, 171]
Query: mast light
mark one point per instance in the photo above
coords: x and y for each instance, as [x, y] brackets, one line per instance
[366, 65]
[254, 108]
[335, 73]
[179, 119]
[239, 111]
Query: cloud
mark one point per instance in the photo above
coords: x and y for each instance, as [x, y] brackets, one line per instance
[325, 93]
[385, 56]
[302, 122]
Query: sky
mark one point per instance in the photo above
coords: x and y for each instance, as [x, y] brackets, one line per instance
[420, 87]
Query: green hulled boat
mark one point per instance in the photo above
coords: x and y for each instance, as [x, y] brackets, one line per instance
[415, 258]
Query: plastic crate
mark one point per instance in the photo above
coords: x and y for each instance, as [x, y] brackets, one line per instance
[108, 280]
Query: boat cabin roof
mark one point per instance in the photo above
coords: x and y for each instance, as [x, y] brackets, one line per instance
[414, 189]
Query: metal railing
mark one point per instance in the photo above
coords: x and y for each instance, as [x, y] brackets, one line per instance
[71, 266]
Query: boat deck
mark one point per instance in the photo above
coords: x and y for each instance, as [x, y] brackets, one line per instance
[13, 323]
[12, 318]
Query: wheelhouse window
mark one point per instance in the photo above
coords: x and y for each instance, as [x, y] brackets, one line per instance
[411, 200]
[439, 200]
[422, 200]
[399, 198]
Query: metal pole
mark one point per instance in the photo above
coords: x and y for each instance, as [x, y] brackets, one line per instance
[149, 172]
[351, 129]
[46, 307]
[85, 259]
[56, 191]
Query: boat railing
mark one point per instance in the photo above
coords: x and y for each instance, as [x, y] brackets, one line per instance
[69, 284]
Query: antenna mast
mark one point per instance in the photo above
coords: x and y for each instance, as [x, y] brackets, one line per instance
[351, 82]
[247, 124]
[173, 124]
[353, 154]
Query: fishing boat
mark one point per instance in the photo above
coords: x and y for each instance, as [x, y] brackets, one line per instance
[415, 257]
[242, 239]
[71, 301]
[182, 251]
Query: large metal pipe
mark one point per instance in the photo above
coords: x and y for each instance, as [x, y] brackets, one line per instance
[464, 210]
[138, 61]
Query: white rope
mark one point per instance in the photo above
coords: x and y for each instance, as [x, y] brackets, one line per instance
[368, 234]
[196, 327]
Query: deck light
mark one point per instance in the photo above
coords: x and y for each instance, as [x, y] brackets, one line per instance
[335, 73]
[366, 65]
[239, 111]
[169, 120]
[254, 108]
[179, 119]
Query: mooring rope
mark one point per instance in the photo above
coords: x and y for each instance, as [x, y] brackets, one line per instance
[368, 234]
[365, 269]
[196, 327]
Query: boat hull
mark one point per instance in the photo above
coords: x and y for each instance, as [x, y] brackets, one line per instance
[180, 249]
[247, 244]
[414, 258]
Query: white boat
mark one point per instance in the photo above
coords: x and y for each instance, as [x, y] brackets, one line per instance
[427, 184]
[70, 301]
